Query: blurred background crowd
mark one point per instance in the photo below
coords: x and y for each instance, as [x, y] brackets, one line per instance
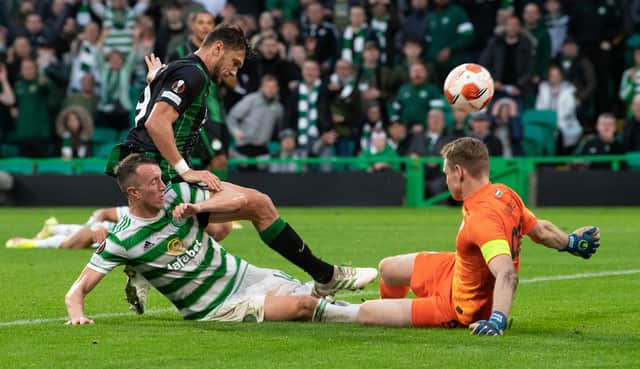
[330, 78]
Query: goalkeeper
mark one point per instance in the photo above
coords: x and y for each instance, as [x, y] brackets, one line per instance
[475, 285]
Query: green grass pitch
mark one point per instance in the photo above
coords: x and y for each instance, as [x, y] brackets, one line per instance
[587, 321]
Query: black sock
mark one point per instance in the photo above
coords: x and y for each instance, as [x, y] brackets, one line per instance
[282, 238]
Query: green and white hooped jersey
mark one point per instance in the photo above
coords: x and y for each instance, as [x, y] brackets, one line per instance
[177, 257]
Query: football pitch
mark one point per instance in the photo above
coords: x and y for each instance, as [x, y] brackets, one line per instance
[568, 312]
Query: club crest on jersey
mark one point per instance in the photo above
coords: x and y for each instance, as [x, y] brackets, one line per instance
[175, 246]
[178, 86]
[498, 193]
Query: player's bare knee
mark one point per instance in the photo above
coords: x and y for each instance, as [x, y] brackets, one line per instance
[387, 268]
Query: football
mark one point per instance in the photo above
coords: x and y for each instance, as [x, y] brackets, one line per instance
[468, 87]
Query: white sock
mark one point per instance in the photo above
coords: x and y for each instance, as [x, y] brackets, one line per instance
[65, 229]
[333, 313]
[50, 242]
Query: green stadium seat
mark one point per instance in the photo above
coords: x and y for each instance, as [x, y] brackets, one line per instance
[274, 147]
[17, 165]
[543, 118]
[90, 166]
[9, 151]
[540, 126]
[102, 135]
[634, 160]
[102, 150]
[55, 166]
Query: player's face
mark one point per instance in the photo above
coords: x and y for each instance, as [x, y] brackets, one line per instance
[454, 180]
[228, 65]
[150, 190]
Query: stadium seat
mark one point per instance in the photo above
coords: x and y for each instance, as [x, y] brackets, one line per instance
[54, 166]
[102, 150]
[17, 165]
[540, 126]
[9, 151]
[90, 166]
[102, 135]
[634, 160]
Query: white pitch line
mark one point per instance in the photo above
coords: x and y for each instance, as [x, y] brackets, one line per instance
[347, 294]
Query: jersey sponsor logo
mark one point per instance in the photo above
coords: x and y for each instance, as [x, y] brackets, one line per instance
[173, 97]
[182, 260]
[178, 86]
[102, 246]
[175, 246]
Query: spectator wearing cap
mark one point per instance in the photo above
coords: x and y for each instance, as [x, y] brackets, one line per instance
[354, 36]
[510, 57]
[320, 37]
[580, 72]
[380, 155]
[255, 118]
[557, 23]
[533, 23]
[345, 106]
[449, 35]
[383, 26]
[507, 126]
[630, 82]
[415, 99]
[559, 95]
[480, 129]
[631, 130]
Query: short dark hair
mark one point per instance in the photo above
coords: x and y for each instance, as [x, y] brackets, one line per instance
[469, 153]
[231, 36]
[126, 170]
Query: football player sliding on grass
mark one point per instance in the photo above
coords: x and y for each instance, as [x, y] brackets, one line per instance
[475, 285]
[164, 239]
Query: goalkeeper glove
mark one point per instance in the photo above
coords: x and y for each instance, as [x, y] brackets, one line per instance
[584, 245]
[496, 324]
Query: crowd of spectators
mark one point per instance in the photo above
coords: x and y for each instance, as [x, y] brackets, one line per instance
[329, 78]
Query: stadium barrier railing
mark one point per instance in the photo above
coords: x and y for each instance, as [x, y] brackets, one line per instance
[517, 173]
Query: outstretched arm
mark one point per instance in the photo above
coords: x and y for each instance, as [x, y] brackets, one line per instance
[582, 242]
[74, 299]
[226, 201]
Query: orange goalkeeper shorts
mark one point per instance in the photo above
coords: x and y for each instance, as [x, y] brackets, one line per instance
[431, 282]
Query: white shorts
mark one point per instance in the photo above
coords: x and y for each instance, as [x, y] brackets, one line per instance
[246, 304]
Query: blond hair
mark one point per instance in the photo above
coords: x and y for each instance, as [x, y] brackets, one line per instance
[469, 153]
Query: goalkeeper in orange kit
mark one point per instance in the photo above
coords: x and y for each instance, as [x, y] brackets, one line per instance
[475, 285]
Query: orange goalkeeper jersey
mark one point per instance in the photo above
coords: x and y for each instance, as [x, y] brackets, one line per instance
[493, 222]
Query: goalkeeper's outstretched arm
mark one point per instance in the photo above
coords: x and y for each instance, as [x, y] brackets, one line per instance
[583, 242]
